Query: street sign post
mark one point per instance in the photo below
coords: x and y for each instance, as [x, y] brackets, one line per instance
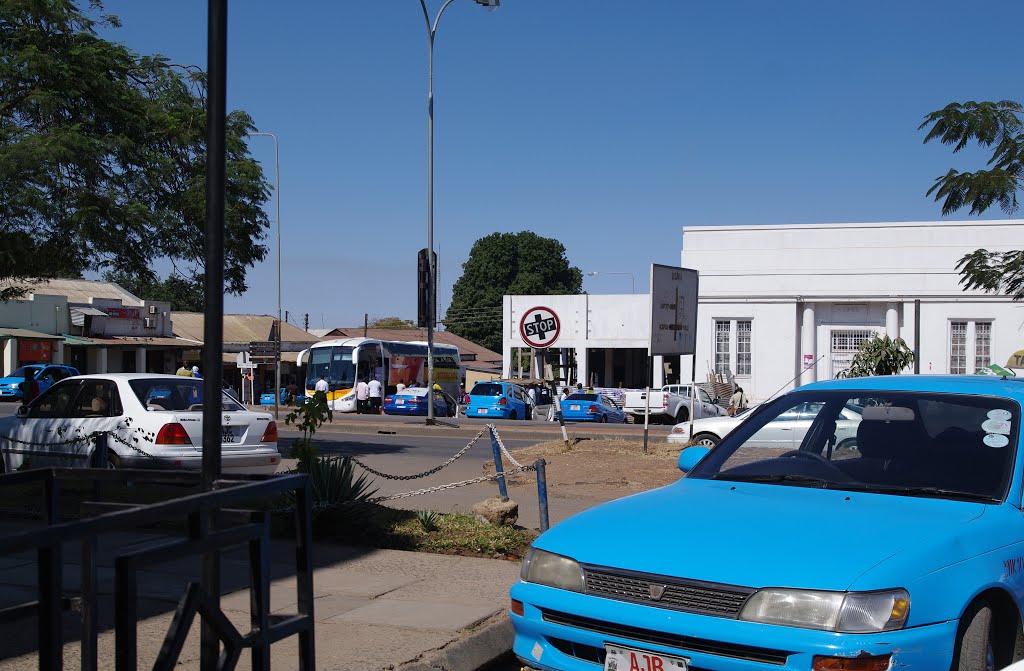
[263, 351]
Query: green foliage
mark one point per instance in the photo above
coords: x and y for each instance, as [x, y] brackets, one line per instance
[506, 263]
[102, 156]
[428, 519]
[392, 323]
[308, 417]
[880, 356]
[996, 126]
[332, 481]
[185, 294]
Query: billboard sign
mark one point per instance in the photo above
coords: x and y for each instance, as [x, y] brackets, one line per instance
[673, 310]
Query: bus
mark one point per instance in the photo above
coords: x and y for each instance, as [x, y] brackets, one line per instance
[345, 361]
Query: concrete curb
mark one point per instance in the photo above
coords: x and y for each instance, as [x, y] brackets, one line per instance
[484, 645]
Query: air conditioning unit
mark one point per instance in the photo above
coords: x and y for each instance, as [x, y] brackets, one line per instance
[152, 309]
[149, 322]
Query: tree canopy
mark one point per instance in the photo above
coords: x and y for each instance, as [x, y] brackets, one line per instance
[102, 156]
[183, 293]
[996, 126]
[500, 264]
[392, 323]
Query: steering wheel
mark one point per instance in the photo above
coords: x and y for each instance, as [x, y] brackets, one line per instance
[801, 454]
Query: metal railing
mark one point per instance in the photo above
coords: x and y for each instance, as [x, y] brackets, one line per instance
[210, 529]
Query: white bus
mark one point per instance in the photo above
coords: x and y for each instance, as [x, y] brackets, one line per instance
[345, 361]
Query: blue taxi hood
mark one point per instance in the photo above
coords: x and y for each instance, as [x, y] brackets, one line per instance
[759, 535]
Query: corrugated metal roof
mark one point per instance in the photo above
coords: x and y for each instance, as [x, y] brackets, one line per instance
[25, 333]
[84, 291]
[481, 355]
[238, 328]
[141, 341]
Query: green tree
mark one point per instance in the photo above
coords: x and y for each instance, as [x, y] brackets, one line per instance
[881, 355]
[185, 294]
[996, 126]
[500, 264]
[392, 323]
[102, 156]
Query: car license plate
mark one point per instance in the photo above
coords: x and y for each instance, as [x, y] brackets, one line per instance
[400, 401]
[227, 435]
[483, 411]
[574, 407]
[627, 659]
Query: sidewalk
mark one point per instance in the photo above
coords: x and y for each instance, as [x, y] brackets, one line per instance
[374, 609]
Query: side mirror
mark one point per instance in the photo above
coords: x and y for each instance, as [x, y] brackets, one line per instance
[690, 456]
[22, 411]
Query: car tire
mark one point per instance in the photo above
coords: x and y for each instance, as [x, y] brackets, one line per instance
[975, 646]
[706, 440]
[604, 419]
[682, 415]
[512, 415]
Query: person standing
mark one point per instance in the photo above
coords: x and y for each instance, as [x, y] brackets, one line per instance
[195, 372]
[184, 370]
[362, 396]
[400, 387]
[321, 385]
[737, 402]
[374, 389]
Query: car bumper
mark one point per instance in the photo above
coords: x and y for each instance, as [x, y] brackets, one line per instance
[544, 640]
[680, 438]
[493, 413]
[579, 417]
[406, 410]
[260, 461]
[14, 394]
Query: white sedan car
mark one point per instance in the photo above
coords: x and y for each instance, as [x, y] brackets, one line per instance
[707, 431]
[152, 421]
[785, 432]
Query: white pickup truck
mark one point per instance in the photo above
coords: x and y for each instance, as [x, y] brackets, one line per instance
[672, 403]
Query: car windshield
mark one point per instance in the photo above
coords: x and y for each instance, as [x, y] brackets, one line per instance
[30, 370]
[180, 394]
[485, 389]
[582, 397]
[334, 365]
[911, 444]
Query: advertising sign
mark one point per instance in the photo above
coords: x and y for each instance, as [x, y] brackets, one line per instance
[122, 313]
[673, 310]
[539, 327]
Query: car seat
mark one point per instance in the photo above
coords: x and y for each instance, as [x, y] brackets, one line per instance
[99, 407]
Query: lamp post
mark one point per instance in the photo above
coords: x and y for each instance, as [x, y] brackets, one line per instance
[277, 325]
[432, 270]
[632, 278]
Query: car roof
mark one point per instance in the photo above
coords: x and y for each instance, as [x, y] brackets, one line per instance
[134, 376]
[980, 385]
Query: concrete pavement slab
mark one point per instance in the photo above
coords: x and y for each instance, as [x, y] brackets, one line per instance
[345, 580]
[424, 615]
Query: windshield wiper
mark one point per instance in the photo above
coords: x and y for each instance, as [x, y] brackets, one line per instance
[937, 492]
[778, 477]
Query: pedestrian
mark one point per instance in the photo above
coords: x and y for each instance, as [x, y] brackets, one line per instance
[737, 402]
[579, 387]
[321, 385]
[400, 387]
[557, 403]
[374, 388]
[30, 387]
[195, 372]
[532, 392]
[184, 370]
[362, 396]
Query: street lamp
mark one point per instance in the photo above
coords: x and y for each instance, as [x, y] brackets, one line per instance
[277, 326]
[632, 278]
[432, 270]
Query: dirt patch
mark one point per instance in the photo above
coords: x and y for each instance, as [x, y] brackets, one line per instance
[599, 470]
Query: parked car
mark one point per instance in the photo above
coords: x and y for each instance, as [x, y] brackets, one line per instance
[787, 431]
[499, 400]
[152, 421]
[45, 375]
[672, 403]
[905, 552]
[708, 431]
[591, 408]
[413, 401]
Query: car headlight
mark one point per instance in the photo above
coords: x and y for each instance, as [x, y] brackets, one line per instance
[852, 612]
[679, 430]
[547, 568]
[349, 396]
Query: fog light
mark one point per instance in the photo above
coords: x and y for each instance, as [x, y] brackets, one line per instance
[517, 608]
[850, 663]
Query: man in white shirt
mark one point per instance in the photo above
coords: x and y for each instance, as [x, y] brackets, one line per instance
[375, 396]
[400, 387]
[321, 385]
[362, 396]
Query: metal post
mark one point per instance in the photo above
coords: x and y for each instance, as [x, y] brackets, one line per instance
[647, 398]
[304, 572]
[542, 493]
[90, 606]
[213, 330]
[498, 466]
[917, 336]
[51, 636]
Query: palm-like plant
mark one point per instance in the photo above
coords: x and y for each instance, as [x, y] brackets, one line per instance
[881, 355]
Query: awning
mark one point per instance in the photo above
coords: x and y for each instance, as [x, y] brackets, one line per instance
[78, 341]
[25, 333]
[79, 313]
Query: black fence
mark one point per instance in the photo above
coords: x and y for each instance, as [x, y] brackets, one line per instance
[211, 527]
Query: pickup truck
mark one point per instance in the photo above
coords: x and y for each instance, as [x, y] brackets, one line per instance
[672, 403]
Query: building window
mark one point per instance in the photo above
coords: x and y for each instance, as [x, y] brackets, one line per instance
[844, 345]
[733, 349]
[969, 342]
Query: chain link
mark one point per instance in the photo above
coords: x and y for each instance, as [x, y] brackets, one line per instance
[501, 445]
[453, 485]
[424, 474]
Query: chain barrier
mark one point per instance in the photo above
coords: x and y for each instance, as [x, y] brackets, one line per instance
[504, 450]
[424, 474]
[453, 485]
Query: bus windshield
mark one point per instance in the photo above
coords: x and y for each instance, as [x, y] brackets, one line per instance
[334, 364]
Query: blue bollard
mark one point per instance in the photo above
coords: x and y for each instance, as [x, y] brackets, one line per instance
[542, 494]
[498, 467]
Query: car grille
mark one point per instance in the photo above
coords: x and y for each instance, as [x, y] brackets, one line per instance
[691, 596]
[682, 643]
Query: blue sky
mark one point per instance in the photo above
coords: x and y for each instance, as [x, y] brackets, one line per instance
[606, 125]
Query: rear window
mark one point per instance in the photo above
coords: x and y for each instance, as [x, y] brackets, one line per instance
[583, 397]
[180, 394]
[487, 389]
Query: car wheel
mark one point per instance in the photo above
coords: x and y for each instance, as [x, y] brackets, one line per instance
[512, 415]
[604, 419]
[682, 415]
[846, 449]
[706, 439]
[113, 461]
[975, 648]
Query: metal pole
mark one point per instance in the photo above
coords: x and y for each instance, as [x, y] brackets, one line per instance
[917, 336]
[542, 494]
[498, 467]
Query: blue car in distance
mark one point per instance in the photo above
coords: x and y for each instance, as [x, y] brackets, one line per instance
[903, 550]
[45, 375]
[413, 401]
[581, 407]
[499, 400]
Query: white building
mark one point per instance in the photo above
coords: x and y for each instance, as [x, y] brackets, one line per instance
[781, 306]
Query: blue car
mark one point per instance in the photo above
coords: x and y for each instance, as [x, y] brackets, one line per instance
[45, 375]
[413, 401]
[780, 550]
[582, 407]
[499, 400]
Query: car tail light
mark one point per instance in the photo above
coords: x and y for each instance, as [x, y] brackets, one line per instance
[592, 409]
[414, 400]
[270, 435]
[502, 401]
[388, 399]
[173, 434]
[664, 400]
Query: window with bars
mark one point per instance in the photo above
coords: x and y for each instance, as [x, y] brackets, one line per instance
[734, 346]
[743, 348]
[970, 342]
[844, 345]
[723, 329]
